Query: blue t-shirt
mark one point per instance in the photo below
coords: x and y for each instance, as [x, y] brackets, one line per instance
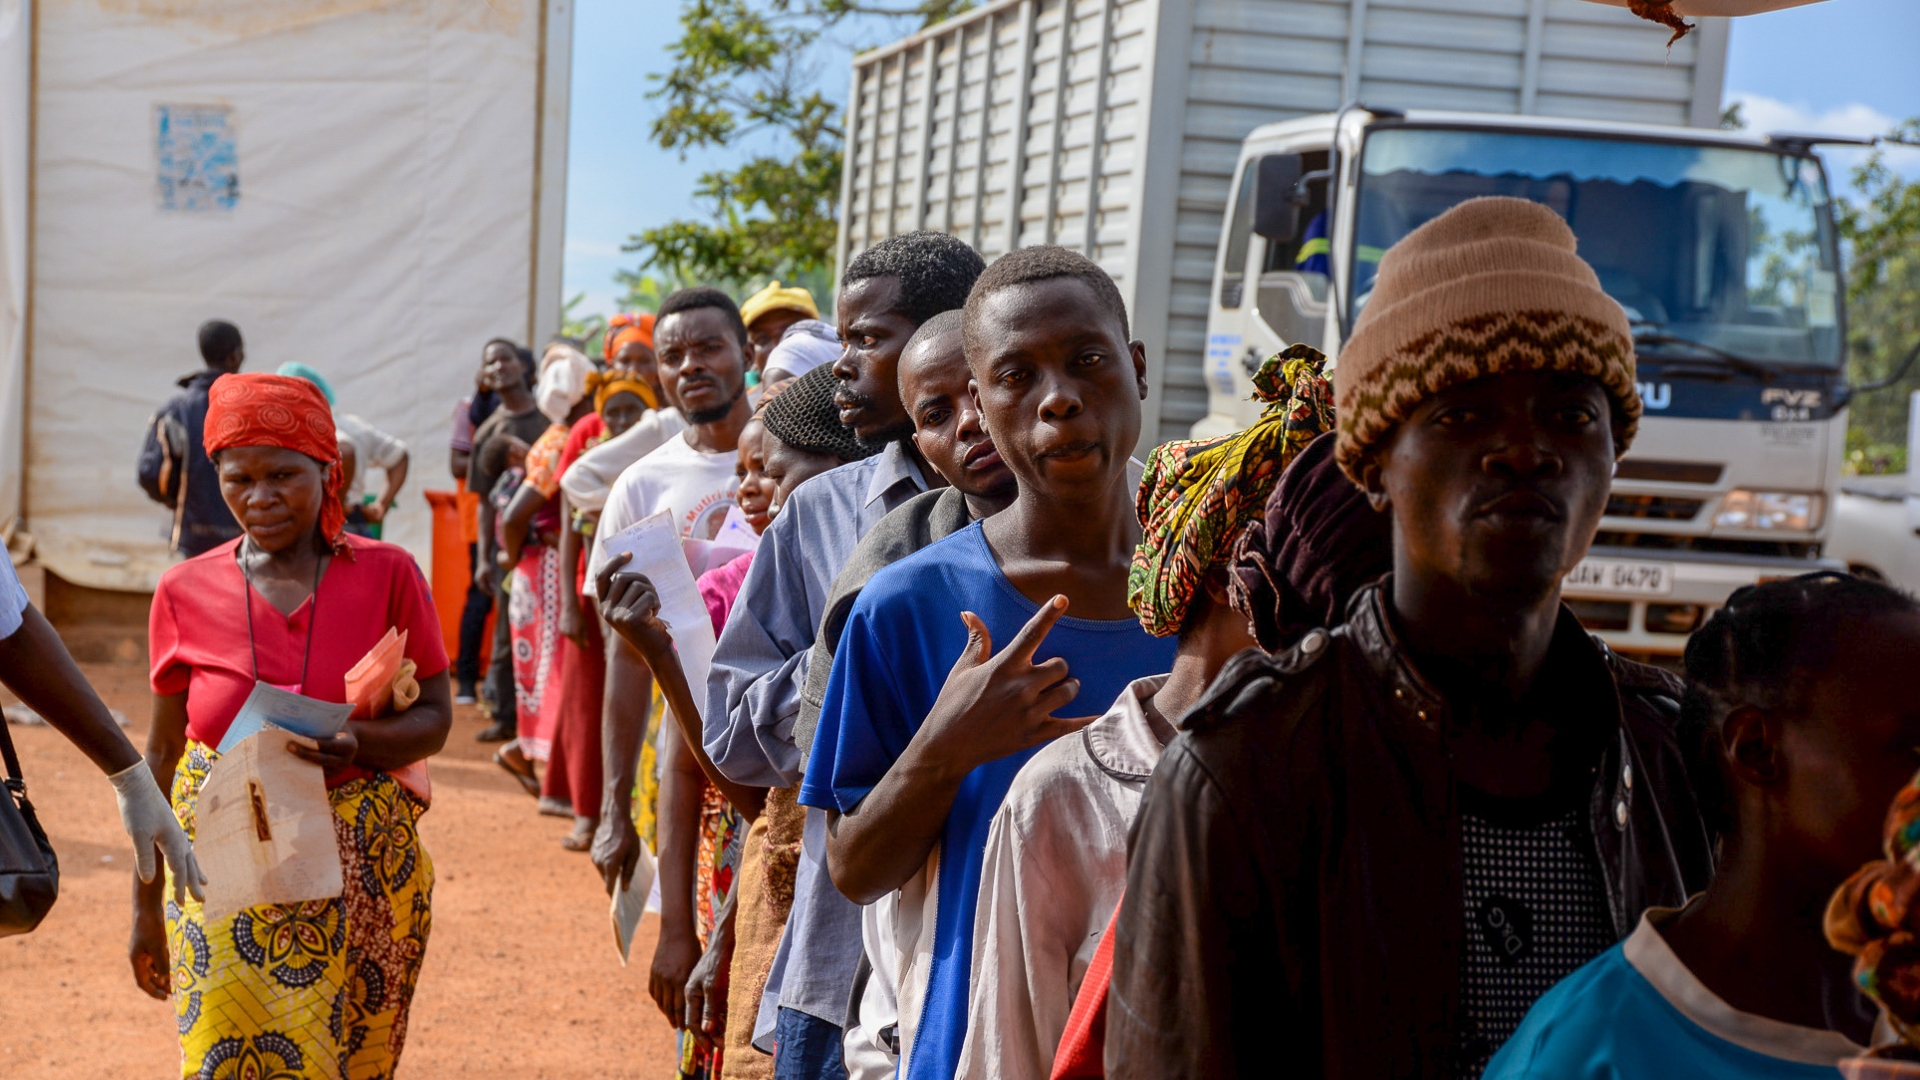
[1608, 1021]
[900, 642]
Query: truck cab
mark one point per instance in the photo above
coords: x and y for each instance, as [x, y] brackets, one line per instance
[1721, 247]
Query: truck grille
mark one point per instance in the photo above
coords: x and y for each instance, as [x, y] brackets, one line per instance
[1669, 472]
[1672, 542]
[1653, 507]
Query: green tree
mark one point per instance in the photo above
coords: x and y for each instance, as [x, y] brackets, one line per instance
[583, 328]
[1882, 231]
[745, 75]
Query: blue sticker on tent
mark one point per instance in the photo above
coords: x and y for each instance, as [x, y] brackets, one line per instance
[198, 166]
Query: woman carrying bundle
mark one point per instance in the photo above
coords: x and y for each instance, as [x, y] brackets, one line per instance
[319, 988]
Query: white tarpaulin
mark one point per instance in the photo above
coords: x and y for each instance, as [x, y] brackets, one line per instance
[16, 73]
[352, 182]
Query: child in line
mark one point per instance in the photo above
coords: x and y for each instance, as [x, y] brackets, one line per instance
[1801, 726]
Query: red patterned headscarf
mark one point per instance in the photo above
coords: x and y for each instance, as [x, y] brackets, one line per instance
[256, 409]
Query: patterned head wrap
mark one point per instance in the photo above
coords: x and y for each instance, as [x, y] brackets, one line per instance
[1875, 917]
[257, 409]
[1198, 494]
[604, 384]
[1319, 542]
[625, 327]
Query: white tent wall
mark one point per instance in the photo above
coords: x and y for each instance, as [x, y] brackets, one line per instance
[16, 92]
[389, 202]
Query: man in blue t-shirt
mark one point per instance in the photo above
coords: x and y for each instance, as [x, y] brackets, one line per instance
[924, 724]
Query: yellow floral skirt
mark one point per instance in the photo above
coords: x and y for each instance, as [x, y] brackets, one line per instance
[312, 991]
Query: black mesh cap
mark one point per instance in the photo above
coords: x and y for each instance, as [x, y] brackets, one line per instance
[805, 417]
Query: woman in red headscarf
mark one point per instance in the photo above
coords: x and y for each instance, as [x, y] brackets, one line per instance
[320, 988]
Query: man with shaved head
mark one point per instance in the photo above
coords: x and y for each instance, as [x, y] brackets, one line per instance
[761, 662]
[961, 660]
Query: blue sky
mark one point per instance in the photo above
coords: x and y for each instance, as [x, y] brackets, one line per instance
[1842, 66]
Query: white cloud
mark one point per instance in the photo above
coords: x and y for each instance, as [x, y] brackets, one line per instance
[1766, 115]
[599, 249]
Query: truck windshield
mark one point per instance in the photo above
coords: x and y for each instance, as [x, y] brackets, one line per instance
[1729, 247]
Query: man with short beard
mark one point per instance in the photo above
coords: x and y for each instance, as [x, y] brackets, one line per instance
[701, 346]
[1367, 856]
[760, 663]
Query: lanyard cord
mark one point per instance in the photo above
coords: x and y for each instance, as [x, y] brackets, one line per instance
[313, 616]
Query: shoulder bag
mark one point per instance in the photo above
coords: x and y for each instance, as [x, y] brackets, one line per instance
[29, 872]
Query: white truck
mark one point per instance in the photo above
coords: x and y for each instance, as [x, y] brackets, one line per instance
[1876, 519]
[1117, 127]
[1212, 156]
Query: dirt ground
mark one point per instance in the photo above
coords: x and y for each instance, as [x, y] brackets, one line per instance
[521, 978]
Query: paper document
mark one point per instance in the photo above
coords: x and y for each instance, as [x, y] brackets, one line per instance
[370, 682]
[285, 710]
[382, 683]
[657, 553]
[630, 902]
[734, 539]
[264, 830]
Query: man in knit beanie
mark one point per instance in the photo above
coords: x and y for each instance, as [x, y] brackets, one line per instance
[1368, 855]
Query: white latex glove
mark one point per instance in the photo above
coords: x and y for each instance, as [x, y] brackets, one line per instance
[150, 822]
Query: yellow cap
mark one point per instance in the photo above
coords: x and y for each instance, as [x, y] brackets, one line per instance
[775, 298]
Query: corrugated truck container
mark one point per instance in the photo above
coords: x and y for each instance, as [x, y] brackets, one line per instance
[372, 187]
[1113, 126]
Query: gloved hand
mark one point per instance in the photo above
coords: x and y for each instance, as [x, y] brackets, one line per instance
[150, 822]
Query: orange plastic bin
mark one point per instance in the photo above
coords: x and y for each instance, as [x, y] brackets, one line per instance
[455, 519]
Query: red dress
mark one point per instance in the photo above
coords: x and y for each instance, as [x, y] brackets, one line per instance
[574, 774]
[197, 630]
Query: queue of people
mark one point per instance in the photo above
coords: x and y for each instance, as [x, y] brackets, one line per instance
[1018, 757]
[1275, 754]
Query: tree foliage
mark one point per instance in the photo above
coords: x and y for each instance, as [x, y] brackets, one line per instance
[585, 329]
[746, 75]
[1882, 231]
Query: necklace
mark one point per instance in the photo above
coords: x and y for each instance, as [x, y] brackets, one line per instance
[313, 616]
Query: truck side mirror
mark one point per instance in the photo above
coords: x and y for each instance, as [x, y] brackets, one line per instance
[1276, 215]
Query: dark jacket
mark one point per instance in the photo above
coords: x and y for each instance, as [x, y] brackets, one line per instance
[1294, 901]
[174, 470]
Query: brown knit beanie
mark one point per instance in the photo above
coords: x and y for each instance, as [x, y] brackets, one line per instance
[1490, 286]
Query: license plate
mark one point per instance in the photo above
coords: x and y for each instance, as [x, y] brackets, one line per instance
[1620, 577]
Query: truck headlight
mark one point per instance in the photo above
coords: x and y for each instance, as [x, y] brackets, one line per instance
[1747, 509]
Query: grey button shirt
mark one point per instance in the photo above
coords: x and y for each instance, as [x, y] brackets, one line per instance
[760, 662]
[753, 697]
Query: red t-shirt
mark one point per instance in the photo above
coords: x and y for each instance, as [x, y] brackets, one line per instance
[197, 631]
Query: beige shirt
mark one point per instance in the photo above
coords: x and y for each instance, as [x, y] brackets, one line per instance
[1055, 867]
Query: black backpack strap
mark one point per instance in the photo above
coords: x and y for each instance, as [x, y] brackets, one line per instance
[14, 778]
